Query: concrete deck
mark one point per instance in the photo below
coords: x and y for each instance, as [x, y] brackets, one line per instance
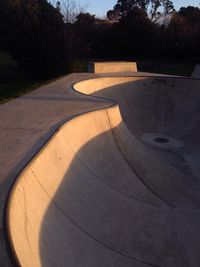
[96, 194]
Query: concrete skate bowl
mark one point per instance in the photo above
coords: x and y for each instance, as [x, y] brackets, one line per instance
[107, 191]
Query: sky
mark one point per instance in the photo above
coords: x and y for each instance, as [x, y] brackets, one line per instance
[100, 7]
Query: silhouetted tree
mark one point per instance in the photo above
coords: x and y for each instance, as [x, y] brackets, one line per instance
[132, 36]
[70, 9]
[43, 41]
[156, 8]
[184, 32]
[83, 27]
[35, 31]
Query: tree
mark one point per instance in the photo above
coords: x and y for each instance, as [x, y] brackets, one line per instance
[192, 16]
[83, 30]
[184, 32]
[36, 35]
[155, 8]
[70, 9]
[133, 36]
[113, 15]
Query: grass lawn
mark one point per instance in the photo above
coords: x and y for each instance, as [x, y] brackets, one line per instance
[13, 81]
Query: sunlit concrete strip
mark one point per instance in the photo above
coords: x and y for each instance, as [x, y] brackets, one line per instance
[112, 67]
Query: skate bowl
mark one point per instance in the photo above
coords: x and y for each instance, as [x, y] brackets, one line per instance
[117, 186]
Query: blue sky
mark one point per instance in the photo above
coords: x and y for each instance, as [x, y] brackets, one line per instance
[100, 7]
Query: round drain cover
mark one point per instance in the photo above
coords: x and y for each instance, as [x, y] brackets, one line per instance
[162, 140]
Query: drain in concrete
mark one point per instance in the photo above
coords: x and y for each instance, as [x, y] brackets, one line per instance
[162, 140]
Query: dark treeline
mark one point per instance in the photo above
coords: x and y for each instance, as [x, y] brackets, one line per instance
[42, 41]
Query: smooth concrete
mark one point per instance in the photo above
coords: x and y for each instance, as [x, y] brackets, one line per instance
[26, 124]
[112, 67]
[196, 72]
[96, 194]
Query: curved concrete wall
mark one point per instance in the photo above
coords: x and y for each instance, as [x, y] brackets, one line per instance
[38, 184]
[96, 195]
[81, 168]
[149, 105]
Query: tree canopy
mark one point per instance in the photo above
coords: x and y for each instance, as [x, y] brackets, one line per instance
[42, 40]
[35, 34]
[155, 8]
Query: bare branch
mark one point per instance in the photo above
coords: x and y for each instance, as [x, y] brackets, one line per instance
[70, 9]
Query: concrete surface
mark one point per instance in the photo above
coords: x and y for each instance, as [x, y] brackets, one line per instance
[112, 67]
[94, 193]
[196, 72]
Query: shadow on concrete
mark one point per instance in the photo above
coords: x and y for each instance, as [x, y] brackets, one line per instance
[102, 214]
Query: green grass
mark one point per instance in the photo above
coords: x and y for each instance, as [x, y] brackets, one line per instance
[178, 69]
[13, 81]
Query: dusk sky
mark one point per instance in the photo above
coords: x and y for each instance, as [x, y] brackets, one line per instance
[100, 7]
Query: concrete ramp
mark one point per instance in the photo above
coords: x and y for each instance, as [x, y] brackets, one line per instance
[115, 187]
